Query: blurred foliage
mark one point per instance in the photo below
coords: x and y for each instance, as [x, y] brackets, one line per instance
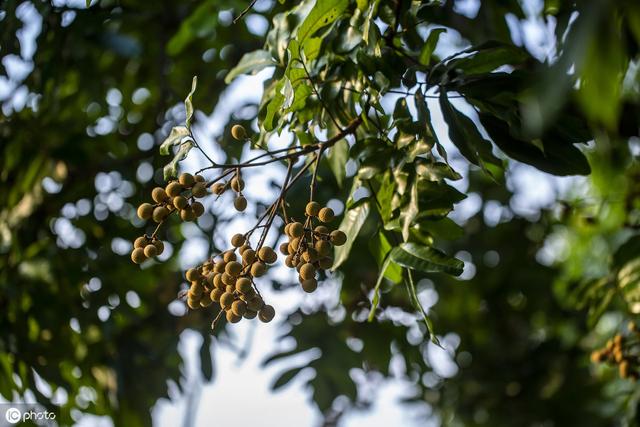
[104, 85]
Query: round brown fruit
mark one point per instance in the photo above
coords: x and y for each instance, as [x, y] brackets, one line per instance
[250, 314]
[199, 190]
[215, 295]
[323, 247]
[307, 271]
[199, 178]
[266, 313]
[338, 237]
[258, 269]
[197, 208]
[137, 256]
[218, 188]
[140, 242]
[158, 195]
[237, 240]
[193, 304]
[326, 263]
[174, 189]
[249, 256]
[193, 274]
[187, 214]
[255, 303]
[326, 215]
[232, 317]
[239, 307]
[296, 229]
[150, 251]
[160, 213]
[267, 255]
[240, 203]
[145, 210]
[186, 180]
[238, 132]
[237, 184]
[226, 300]
[312, 209]
[233, 268]
[243, 285]
[229, 256]
[180, 202]
[309, 285]
[284, 248]
[321, 229]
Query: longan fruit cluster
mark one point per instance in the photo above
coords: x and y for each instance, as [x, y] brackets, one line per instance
[309, 249]
[237, 185]
[228, 281]
[145, 247]
[622, 351]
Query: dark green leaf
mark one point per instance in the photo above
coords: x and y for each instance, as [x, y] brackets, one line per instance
[426, 259]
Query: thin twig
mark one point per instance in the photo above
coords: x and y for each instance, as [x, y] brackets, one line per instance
[244, 12]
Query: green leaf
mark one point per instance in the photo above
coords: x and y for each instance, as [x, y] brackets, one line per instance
[426, 259]
[436, 171]
[171, 170]
[188, 106]
[337, 158]
[174, 138]
[465, 135]
[323, 13]
[251, 62]
[430, 45]
[413, 295]
[380, 248]
[351, 224]
[286, 377]
[274, 107]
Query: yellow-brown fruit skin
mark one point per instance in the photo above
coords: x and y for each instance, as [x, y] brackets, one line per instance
[140, 242]
[232, 317]
[180, 202]
[258, 269]
[174, 189]
[243, 285]
[160, 213]
[312, 209]
[326, 263]
[255, 303]
[307, 271]
[192, 275]
[150, 251]
[197, 208]
[218, 188]
[240, 203]
[233, 268]
[267, 255]
[239, 307]
[158, 195]
[199, 190]
[237, 240]
[249, 256]
[186, 180]
[145, 211]
[310, 285]
[215, 295]
[237, 184]
[238, 132]
[338, 237]
[326, 215]
[137, 256]
[229, 256]
[296, 229]
[226, 300]
[250, 314]
[266, 313]
[187, 214]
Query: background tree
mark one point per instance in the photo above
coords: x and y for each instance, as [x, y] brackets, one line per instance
[87, 99]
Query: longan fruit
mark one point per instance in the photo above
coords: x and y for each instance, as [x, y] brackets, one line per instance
[284, 248]
[237, 240]
[238, 132]
[237, 184]
[180, 202]
[228, 279]
[240, 203]
[229, 256]
[138, 256]
[230, 288]
[150, 251]
[255, 303]
[287, 228]
[250, 314]
[326, 263]
[159, 246]
[219, 267]
[323, 248]
[239, 307]
[338, 237]
[218, 188]
[187, 214]
[258, 269]
[232, 317]
[244, 247]
[326, 215]
[296, 229]
[226, 300]
[321, 229]
[307, 271]
[205, 302]
[174, 189]
[193, 305]
[145, 211]
[199, 190]
[233, 268]
[310, 255]
[197, 208]
[312, 209]
[199, 178]
[294, 244]
[267, 255]
[140, 242]
[288, 261]
[309, 285]
[249, 256]
[209, 278]
[193, 274]
[266, 313]
[186, 180]
[160, 213]
[215, 295]
[158, 195]
[243, 285]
